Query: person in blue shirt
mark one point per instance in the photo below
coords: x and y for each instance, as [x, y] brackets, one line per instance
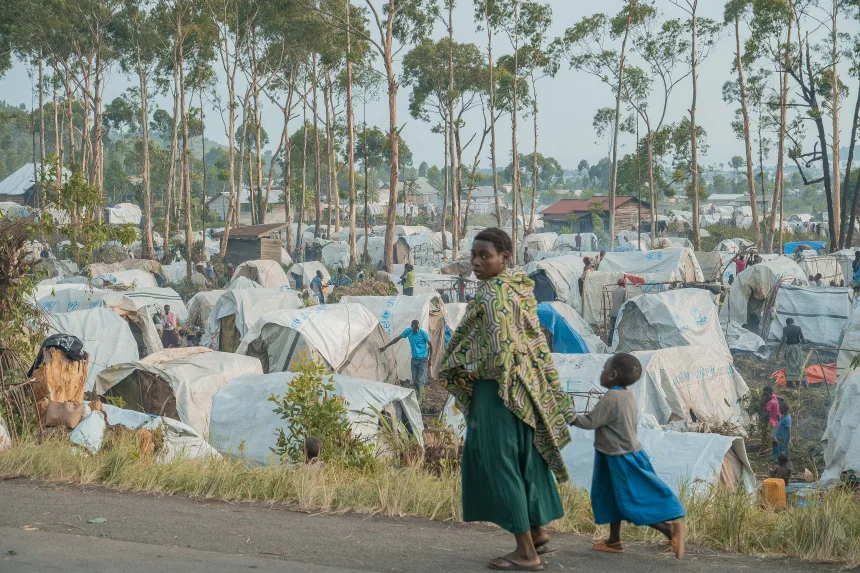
[782, 434]
[422, 354]
[318, 287]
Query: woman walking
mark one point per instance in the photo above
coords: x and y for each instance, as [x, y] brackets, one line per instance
[499, 369]
[792, 338]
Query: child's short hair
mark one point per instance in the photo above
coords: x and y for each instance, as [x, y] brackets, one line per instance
[499, 238]
[782, 459]
[627, 367]
[313, 447]
[783, 407]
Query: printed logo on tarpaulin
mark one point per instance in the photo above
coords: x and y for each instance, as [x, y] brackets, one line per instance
[73, 305]
[698, 317]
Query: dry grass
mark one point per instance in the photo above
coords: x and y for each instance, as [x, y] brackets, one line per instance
[825, 529]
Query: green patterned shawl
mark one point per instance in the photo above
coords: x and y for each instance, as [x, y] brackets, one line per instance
[500, 339]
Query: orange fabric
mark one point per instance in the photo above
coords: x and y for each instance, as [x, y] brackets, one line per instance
[814, 374]
[634, 279]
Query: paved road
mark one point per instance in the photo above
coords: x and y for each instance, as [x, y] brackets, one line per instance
[45, 528]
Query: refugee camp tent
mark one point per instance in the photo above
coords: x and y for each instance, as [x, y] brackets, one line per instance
[303, 273]
[244, 424]
[177, 382]
[842, 435]
[675, 382]
[820, 311]
[201, 304]
[346, 337]
[567, 242]
[268, 274]
[408, 231]
[558, 279]
[681, 264]
[336, 254]
[396, 313]
[157, 298]
[134, 278]
[375, 248]
[753, 286]
[680, 317]
[716, 265]
[123, 214]
[242, 283]
[593, 303]
[849, 342]
[454, 313]
[179, 441]
[827, 265]
[236, 311]
[58, 298]
[568, 331]
[539, 242]
[692, 462]
[138, 314]
[147, 265]
[107, 338]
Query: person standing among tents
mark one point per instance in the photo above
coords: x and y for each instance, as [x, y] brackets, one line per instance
[383, 275]
[855, 264]
[578, 242]
[792, 339]
[499, 369]
[740, 264]
[340, 280]
[318, 287]
[169, 338]
[408, 280]
[422, 354]
[618, 296]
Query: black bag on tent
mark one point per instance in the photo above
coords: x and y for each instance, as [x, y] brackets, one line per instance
[71, 346]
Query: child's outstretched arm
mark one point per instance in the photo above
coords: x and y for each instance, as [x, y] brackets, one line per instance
[604, 413]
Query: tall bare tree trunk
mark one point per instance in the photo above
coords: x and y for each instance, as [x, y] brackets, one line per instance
[448, 179]
[237, 211]
[203, 163]
[456, 191]
[288, 163]
[148, 247]
[492, 113]
[186, 173]
[317, 174]
[58, 137]
[171, 177]
[515, 181]
[694, 166]
[258, 124]
[652, 213]
[779, 183]
[230, 71]
[394, 138]
[531, 225]
[69, 100]
[42, 126]
[613, 177]
[747, 136]
[300, 250]
[837, 167]
[350, 143]
[332, 208]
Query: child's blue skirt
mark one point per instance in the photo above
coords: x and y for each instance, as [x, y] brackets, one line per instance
[625, 488]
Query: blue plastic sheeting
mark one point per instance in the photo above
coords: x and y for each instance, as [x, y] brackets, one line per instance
[789, 248]
[565, 340]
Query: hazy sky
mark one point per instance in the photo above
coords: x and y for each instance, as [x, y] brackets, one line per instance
[567, 102]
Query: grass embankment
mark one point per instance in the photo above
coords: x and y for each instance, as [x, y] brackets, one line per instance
[826, 529]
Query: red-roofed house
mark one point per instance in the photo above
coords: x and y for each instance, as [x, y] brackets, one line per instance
[574, 214]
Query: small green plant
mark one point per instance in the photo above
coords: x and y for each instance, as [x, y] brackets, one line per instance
[310, 407]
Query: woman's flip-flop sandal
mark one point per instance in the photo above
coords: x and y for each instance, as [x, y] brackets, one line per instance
[677, 542]
[607, 547]
[545, 549]
[508, 565]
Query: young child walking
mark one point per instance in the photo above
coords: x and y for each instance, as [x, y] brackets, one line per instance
[624, 485]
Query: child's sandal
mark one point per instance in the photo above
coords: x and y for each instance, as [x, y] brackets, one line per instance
[607, 547]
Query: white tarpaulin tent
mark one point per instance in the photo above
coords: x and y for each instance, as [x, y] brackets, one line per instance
[849, 342]
[107, 338]
[303, 273]
[244, 424]
[176, 382]
[180, 440]
[539, 242]
[454, 313]
[754, 285]
[568, 242]
[680, 317]
[202, 303]
[680, 263]
[123, 214]
[592, 295]
[245, 306]
[558, 279]
[396, 313]
[157, 298]
[674, 382]
[375, 248]
[54, 299]
[842, 435]
[828, 266]
[138, 315]
[688, 461]
[576, 322]
[242, 283]
[133, 278]
[347, 337]
[268, 274]
[336, 254]
[820, 311]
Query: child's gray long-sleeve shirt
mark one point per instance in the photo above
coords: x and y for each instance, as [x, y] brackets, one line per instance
[614, 423]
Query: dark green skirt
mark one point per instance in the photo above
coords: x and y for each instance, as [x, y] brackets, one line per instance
[505, 479]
